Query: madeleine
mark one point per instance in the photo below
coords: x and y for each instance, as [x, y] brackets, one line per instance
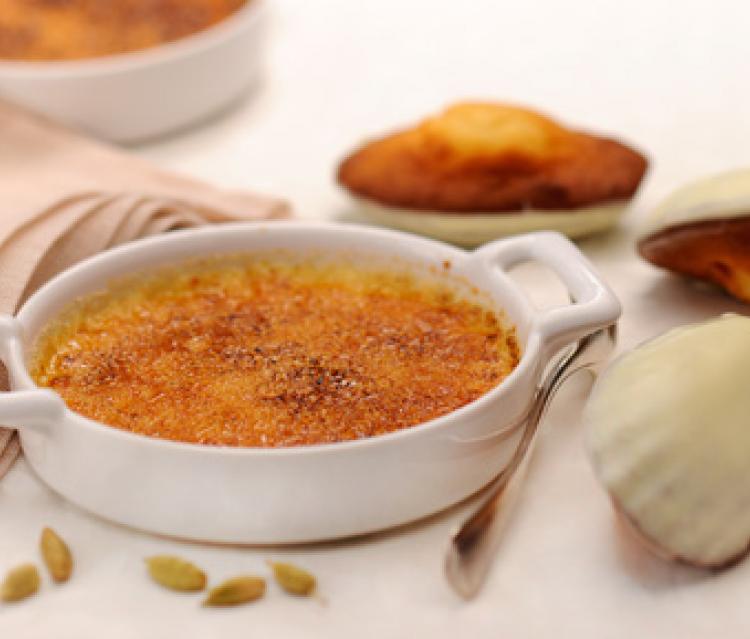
[492, 157]
[702, 230]
[669, 437]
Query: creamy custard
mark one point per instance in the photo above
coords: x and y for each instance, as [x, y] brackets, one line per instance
[269, 352]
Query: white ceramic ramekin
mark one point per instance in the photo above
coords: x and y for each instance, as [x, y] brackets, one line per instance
[138, 95]
[252, 495]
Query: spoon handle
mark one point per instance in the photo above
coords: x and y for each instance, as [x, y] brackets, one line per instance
[473, 546]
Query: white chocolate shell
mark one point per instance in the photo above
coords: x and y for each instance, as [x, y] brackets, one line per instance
[473, 229]
[723, 196]
[668, 432]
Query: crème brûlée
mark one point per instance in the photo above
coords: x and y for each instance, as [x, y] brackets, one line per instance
[74, 29]
[267, 352]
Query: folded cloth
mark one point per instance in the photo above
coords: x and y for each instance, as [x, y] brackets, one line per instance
[64, 197]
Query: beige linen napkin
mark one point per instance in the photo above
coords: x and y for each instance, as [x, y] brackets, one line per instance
[64, 197]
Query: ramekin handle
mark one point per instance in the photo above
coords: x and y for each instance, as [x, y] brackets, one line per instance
[34, 408]
[593, 304]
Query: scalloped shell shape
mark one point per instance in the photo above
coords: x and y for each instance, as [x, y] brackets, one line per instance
[668, 432]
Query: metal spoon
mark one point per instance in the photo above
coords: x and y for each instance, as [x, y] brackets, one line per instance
[472, 548]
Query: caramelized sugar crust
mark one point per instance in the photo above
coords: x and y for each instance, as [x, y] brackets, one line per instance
[267, 353]
[71, 29]
[717, 251]
[492, 157]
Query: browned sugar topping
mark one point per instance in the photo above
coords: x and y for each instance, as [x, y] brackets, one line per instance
[271, 353]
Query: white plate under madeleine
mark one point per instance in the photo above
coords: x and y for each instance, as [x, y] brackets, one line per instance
[473, 229]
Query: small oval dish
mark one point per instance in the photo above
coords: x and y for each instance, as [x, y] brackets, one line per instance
[299, 493]
[142, 94]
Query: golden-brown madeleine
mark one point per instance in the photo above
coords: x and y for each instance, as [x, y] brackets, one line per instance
[478, 156]
[703, 230]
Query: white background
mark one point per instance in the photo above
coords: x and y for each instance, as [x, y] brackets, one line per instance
[670, 78]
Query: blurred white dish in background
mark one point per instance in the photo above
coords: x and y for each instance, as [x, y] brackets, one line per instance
[142, 94]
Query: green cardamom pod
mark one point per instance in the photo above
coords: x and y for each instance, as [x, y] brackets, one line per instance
[56, 555]
[236, 591]
[293, 579]
[20, 583]
[176, 574]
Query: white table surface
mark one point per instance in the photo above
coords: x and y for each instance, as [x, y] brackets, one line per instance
[670, 78]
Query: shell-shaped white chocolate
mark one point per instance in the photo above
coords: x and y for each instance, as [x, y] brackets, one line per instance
[473, 229]
[668, 431]
[723, 196]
